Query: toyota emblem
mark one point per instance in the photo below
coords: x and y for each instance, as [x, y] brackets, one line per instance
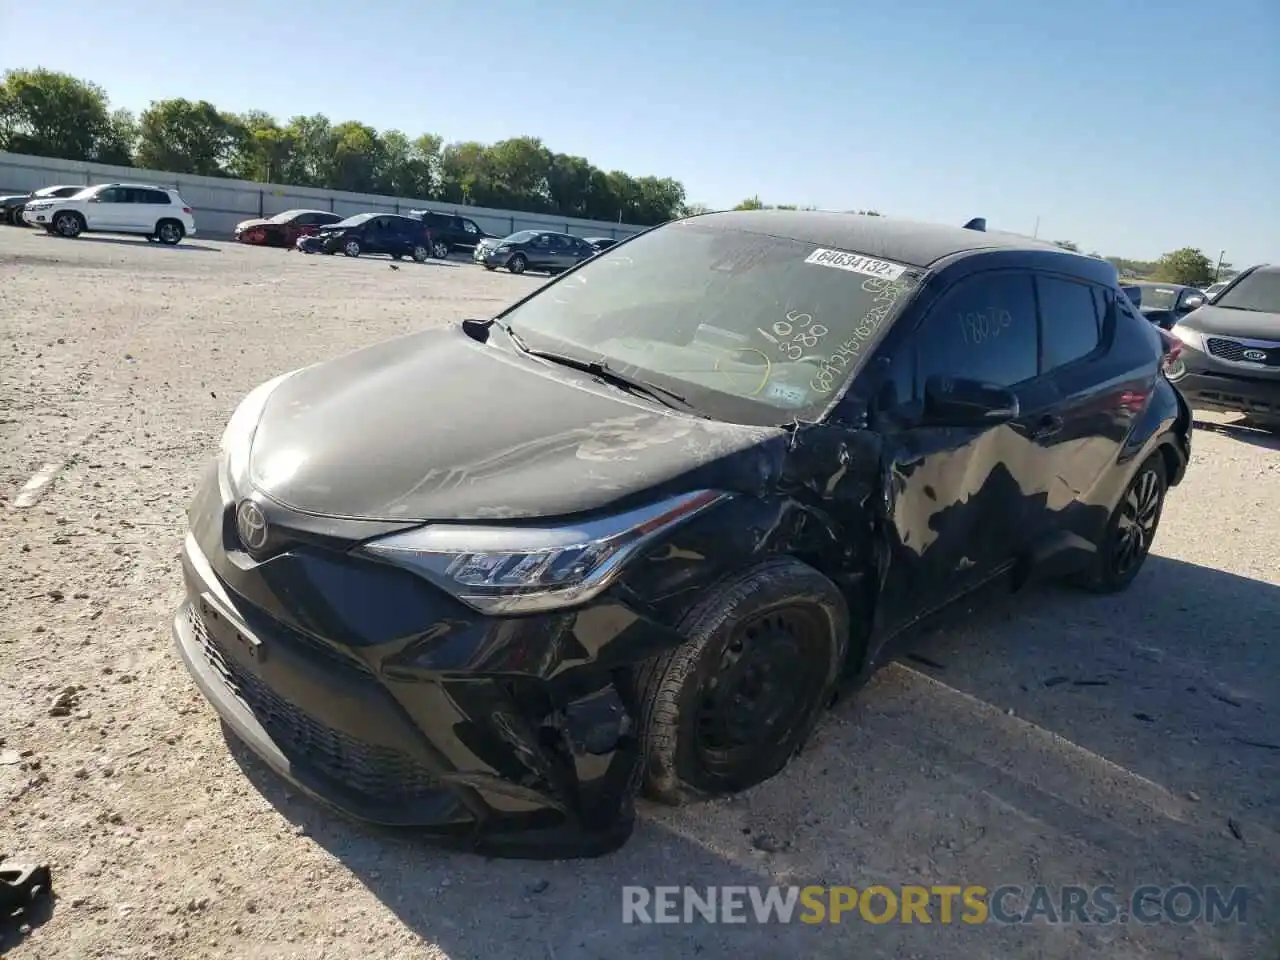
[251, 525]
[1257, 356]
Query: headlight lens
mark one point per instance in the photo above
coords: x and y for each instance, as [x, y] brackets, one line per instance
[1192, 338]
[519, 569]
[238, 435]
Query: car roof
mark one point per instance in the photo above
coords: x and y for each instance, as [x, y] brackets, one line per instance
[1164, 286]
[905, 241]
[140, 186]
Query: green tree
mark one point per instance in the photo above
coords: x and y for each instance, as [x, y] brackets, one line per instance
[1186, 265]
[53, 114]
[184, 136]
[751, 203]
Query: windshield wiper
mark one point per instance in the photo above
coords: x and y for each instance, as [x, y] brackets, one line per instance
[600, 368]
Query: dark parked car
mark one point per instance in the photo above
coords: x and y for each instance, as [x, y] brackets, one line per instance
[1164, 304]
[534, 250]
[284, 229]
[372, 233]
[11, 206]
[737, 456]
[601, 243]
[451, 231]
[1230, 358]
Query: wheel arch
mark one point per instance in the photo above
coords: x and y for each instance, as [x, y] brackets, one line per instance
[744, 533]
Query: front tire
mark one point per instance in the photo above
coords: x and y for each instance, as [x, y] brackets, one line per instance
[68, 224]
[729, 707]
[518, 263]
[352, 248]
[1130, 531]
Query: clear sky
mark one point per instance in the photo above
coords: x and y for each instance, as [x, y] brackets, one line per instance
[1131, 128]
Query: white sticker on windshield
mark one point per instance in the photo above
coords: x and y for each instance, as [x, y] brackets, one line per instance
[855, 263]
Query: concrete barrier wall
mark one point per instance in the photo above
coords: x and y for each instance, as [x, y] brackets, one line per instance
[220, 204]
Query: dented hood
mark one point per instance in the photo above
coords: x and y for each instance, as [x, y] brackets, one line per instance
[437, 426]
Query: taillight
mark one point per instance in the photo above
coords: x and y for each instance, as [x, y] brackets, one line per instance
[186, 210]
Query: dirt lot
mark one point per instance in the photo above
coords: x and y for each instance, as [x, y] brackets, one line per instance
[1054, 739]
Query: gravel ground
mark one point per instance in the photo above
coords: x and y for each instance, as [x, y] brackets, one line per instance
[1050, 739]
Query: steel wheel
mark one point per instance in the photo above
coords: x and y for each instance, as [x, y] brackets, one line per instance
[760, 690]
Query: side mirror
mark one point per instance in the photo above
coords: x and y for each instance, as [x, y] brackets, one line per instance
[956, 402]
[1193, 303]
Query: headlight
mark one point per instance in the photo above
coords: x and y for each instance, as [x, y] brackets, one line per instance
[1192, 338]
[519, 569]
[238, 435]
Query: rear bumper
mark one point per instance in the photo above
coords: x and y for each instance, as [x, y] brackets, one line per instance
[463, 756]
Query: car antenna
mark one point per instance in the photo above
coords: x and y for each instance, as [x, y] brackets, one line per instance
[977, 223]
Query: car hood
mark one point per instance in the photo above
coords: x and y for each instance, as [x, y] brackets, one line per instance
[10, 198]
[1225, 322]
[437, 426]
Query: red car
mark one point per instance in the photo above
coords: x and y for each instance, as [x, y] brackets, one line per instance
[284, 229]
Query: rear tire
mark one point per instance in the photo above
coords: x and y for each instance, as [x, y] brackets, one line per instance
[729, 707]
[421, 254]
[1130, 532]
[440, 250]
[170, 232]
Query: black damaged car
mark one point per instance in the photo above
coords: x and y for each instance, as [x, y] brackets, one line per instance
[738, 455]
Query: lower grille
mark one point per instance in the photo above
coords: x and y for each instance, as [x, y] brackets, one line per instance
[365, 768]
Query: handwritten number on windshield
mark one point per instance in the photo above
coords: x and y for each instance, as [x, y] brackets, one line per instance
[808, 335]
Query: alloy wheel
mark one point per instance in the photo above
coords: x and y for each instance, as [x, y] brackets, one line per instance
[1136, 523]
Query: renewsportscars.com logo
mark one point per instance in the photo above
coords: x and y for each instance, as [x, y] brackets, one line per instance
[945, 904]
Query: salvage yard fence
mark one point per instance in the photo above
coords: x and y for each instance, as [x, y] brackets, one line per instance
[220, 203]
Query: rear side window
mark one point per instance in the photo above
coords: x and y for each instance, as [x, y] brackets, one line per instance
[984, 329]
[1069, 314]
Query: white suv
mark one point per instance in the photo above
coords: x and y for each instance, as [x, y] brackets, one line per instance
[158, 213]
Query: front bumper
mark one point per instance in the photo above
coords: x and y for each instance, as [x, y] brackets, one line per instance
[1214, 383]
[488, 257]
[504, 736]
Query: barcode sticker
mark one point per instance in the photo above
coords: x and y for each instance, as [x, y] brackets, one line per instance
[856, 263]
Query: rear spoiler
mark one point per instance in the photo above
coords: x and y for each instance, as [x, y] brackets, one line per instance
[977, 223]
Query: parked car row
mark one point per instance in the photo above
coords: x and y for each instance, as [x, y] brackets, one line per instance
[155, 212]
[419, 234]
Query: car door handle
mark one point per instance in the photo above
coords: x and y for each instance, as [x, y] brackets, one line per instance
[1046, 426]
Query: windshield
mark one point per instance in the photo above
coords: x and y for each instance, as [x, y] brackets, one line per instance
[286, 216]
[748, 328]
[1156, 297]
[355, 221]
[522, 237]
[1258, 290]
[85, 193]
